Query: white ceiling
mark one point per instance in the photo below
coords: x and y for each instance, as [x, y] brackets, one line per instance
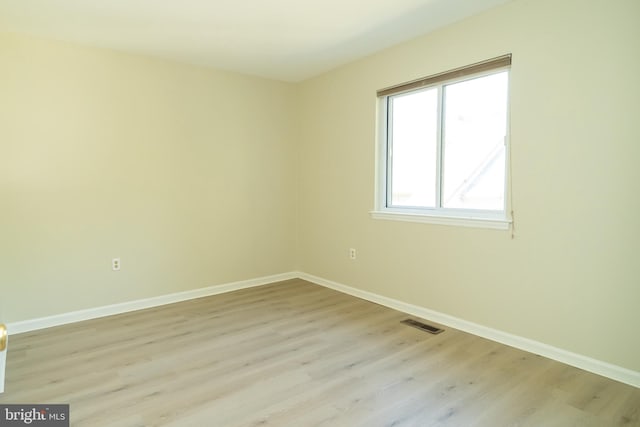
[288, 40]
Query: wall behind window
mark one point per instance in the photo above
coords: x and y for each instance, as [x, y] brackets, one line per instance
[185, 173]
[571, 276]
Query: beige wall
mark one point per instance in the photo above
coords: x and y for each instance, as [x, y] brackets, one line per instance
[571, 276]
[191, 175]
[185, 173]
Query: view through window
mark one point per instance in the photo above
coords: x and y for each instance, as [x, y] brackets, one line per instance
[445, 146]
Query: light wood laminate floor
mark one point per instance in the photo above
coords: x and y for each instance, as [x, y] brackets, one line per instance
[297, 354]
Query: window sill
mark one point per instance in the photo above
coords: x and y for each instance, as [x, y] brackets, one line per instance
[460, 221]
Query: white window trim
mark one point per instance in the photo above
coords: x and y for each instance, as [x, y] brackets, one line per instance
[497, 220]
[461, 221]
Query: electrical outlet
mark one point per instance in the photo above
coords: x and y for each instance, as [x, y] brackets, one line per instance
[352, 253]
[115, 264]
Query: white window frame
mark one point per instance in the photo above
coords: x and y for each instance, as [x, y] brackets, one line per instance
[493, 219]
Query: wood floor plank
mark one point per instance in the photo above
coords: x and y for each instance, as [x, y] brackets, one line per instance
[297, 354]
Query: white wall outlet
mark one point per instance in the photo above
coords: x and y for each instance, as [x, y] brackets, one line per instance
[115, 264]
[352, 253]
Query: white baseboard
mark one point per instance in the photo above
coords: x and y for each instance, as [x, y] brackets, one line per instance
[595, 366]
[108, 310]
[599, 367]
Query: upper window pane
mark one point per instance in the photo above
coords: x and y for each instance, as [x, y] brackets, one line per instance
[475, 126]
[413, 137]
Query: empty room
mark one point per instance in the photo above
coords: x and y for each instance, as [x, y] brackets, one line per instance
[320, 213]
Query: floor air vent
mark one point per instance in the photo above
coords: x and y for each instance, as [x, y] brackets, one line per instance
[422, 326]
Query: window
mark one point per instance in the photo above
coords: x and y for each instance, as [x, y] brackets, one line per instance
[442, 147]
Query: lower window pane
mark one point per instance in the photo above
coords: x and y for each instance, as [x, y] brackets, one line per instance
[413, 139]
[475, 123]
